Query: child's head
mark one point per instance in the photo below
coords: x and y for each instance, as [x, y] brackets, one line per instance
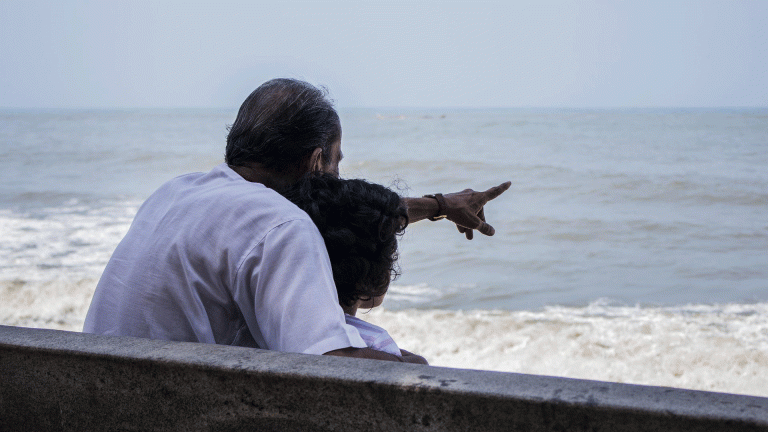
[359, 222]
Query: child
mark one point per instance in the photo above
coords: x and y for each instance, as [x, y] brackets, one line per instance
[359, 222]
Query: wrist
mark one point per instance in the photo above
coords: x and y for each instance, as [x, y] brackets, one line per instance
[441, 207]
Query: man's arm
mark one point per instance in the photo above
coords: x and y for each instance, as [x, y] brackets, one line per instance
[464, 208]
[372, 354]
[288, 298]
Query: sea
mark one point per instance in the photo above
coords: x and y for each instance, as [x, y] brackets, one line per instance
[632, 245]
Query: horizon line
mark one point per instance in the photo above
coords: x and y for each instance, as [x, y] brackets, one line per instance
[395, 107]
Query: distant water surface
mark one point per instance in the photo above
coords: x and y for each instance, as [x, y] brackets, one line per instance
[639, 207]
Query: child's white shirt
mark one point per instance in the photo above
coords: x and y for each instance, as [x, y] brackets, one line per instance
[374, 336]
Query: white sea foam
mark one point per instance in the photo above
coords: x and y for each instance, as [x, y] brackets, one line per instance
[715, 348]
[51, 259]
[59, 304]
[69, 241]
[702, 347]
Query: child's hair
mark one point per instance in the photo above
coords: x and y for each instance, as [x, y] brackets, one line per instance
[359, 222]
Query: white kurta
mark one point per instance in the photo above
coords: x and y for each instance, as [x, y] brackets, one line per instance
[213, 258]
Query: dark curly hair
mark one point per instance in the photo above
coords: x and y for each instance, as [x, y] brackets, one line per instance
[360, 223]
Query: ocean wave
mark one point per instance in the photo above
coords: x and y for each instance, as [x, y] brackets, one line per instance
[59, 304]
[72, 240]
[689, 189]
[413, 294]
[720, 348]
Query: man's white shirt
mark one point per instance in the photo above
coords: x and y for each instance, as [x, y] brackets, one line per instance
[213, 258]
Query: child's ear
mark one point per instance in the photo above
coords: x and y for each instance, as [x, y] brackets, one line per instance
[378, 300]
[371, 302]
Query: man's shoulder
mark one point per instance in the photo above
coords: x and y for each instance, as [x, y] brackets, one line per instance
[226, 189]
[217, 176]
[223, 197]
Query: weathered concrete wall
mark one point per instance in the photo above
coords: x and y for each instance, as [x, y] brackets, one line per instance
[53, 380]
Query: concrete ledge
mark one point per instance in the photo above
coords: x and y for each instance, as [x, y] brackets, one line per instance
[54, 380]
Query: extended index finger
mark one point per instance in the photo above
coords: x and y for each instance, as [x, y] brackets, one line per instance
[497, 190]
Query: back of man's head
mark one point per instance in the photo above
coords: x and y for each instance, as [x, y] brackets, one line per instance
[280, 124]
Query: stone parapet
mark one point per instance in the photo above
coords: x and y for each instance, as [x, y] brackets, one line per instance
[55, 380]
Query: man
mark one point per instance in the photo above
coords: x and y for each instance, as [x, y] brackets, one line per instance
[221, 257]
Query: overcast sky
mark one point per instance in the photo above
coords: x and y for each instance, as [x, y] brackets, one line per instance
[113, 54]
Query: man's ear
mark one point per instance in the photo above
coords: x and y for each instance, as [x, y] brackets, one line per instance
[315, 161]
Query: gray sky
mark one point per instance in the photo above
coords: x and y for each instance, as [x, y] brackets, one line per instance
[105, 54]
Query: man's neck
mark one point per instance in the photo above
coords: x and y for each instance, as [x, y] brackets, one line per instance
[272, 179]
